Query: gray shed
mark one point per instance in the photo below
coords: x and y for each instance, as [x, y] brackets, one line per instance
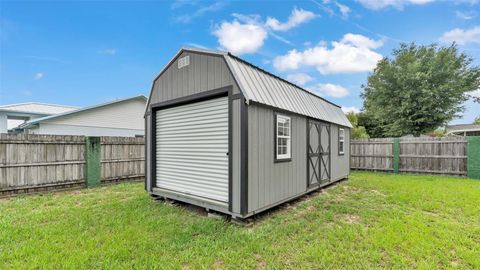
[229, 136]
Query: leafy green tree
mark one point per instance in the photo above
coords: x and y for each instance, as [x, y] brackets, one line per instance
[358, 132]
[420, 89]
[372, 126]
[476, 121]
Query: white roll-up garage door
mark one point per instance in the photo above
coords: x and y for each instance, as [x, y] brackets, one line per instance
[192, 147]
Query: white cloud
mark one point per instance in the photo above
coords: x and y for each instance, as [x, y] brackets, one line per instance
[331, 90]
[247, 33]
[361, 41]
[108, 51]
[300, 78]
[292, 60]
[353, 53]
[462, 36]
[398, 4]
[240, 38]
[186, 18]
[297, 17]
[344, 10]
[465, 15]
[350, 109]
[249, 18]
[38, 76]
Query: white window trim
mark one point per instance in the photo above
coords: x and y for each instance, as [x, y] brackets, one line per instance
[341, 140]
[288, 155]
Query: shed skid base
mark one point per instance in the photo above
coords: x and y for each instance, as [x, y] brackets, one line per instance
[214, 215]
[200, 202]
[218, 208]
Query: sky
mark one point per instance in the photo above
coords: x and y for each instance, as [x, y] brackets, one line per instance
[83, 53]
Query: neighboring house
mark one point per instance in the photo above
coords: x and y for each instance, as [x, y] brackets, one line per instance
[229, 136]
[116, 118]
[462, 130]
[13, 115]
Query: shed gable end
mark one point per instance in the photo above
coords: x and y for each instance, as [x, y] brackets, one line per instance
[204, 72]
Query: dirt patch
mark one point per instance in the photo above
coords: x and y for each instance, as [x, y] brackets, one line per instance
[338, 199]
[350, 188]
[348, 218]
[4, 199]
[261, 264]
[376, 192]
[218, 264]
[431, 213]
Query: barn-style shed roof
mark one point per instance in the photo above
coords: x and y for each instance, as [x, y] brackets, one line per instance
[263, 87]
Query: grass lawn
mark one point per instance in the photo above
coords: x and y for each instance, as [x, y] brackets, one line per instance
[370, 221]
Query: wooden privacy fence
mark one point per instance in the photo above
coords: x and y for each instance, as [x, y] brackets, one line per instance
[448, 156]
[30, 163]
[122, 158]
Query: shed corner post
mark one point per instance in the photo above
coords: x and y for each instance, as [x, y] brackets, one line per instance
[473, 157]
[92, 161]
[396, 155]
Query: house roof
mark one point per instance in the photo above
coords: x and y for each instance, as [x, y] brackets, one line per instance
[69, 113]
[462, 128]
[37, 108]
[261, 86]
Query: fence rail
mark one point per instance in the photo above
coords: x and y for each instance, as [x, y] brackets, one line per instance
[31, 162]
[448, 156]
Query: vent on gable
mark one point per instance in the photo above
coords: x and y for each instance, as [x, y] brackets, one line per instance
[183, 62]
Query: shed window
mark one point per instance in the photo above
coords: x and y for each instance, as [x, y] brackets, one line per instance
[341, 141]
[283, 137]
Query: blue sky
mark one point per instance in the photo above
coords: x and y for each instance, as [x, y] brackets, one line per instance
[86, 52]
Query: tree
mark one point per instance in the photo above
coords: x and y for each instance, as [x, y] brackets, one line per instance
[372, 126]
[420, 89]
[358, 132]
[476, 121]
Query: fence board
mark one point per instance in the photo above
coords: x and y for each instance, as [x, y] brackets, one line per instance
[123, 158]
[417, 155]
[28, 160]
[45, 162]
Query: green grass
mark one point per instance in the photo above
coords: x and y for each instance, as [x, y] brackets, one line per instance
[370, 221]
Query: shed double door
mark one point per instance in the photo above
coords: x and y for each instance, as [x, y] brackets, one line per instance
[192, 149]
[318, 149]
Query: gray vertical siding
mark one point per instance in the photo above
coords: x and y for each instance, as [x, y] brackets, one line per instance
[236, 129]
[205, 72]
[148, 152]
[270, 182]
[340, 163]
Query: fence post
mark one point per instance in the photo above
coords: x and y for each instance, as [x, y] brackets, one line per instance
[473, 157]
[92, 161]
[396, 154]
